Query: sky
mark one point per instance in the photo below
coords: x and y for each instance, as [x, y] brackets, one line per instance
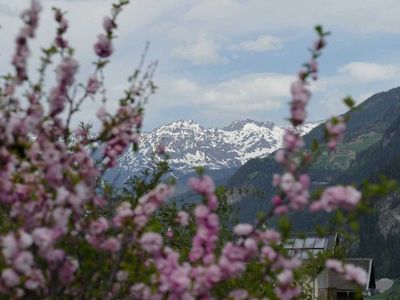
[226, 60]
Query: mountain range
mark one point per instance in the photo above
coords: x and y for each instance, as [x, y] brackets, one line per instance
[190, 144]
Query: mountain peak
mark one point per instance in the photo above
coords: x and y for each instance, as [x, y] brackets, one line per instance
[189, 144]
[240, 124]
[179, 125]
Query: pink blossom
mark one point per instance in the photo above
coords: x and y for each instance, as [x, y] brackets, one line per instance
[201, 211]
[270, 236]
[53, 256]
[299, 113]
[276, 179]
[276, 200]
[268, 253]
[98, 226]
[61, 218]
[10, 277]
[111, 244]
[140, 291]
[93, 85]
[335, 265]
[285, 278]
[22, 52]
[337, 196]
[103, 46]
[335, 132]
[151, 242]
[43, 237]
[123, 213]
[23, 262]
[232, 260]
[25, 239]
[291, 264]
[292, 141]
[10, 246]
[305, 181]
[281, 210]
[202, 185]
[356, 274]
[251, 246]
[66, 71]
[287, 181]
[108, 24]
[149, 203]
[287, 293]
[35, 280]
[66, 272]
[243, 229]
[314, 66]
[122, 276]
[280, 156]
[239, 294]
[182, 218]
[212, 202]
[179, 279]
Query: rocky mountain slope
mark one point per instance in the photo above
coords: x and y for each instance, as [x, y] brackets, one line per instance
[189, 144]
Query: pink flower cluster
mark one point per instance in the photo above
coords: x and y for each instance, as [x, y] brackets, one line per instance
[47, 186]
[335, 197]
[295, 190]
[335, 129]
[17, 253]
[148, 204]
[59, 40]
[300, 93]
[109, 24]
[93, 85]
[349, 271]
[103, 46]
[97, 236]
[66, 71]
[205, 239]
[194, 279]
[293, 186]
[300, 98]
[19, 60]
[127, 123]
[182, 218]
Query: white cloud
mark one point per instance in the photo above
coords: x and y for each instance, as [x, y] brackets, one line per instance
[200, 52]
[240, 17]
[263, 43]
[201, 31]
[185, 87]
[368, 71]
[244, 94]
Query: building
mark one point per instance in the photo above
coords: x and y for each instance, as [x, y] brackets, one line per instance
[329, 285]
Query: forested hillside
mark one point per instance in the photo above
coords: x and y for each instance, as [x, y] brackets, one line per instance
[370, 149]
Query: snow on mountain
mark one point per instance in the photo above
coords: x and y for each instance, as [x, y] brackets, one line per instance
[189, 144]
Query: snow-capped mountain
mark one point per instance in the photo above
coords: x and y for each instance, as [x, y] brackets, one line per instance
[189, 144]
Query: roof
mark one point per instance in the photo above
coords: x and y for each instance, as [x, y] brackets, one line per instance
[310, 244]
[336, 280]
